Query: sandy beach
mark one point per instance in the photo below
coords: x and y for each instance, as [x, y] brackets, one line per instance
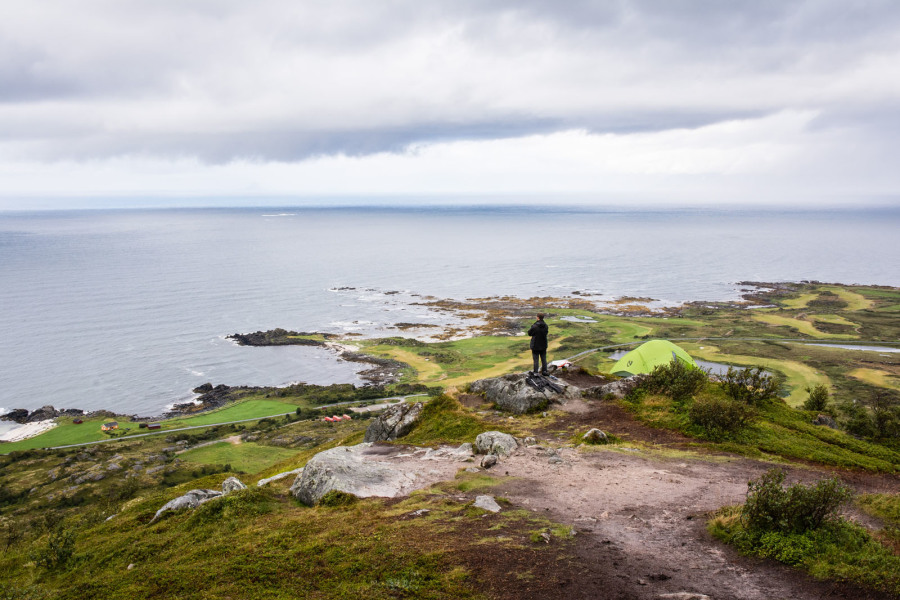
[28, 430]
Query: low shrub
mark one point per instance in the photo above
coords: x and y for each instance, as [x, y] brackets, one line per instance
[837, 550]
[718, 417]
[818, 398]
[337, 498]
[58, 551]
[751, 386]
[676, 380]
[795, 509]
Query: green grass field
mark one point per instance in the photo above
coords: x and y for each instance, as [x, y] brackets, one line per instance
[68, 433]
[246, 409]
[247, 457]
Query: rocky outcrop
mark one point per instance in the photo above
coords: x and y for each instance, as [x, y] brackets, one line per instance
[19, 415]
[464, 452]
[214, 397]
[496, 443]
[276, 337]
[42, 414]
[195, 498]
[512, 393]
[192, 499]
[346, 469]
[395, 422]
[383, 370]
[616, 389]
[232, 484]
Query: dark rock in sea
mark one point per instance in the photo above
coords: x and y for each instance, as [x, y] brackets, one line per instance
[202, 389]
[71, 412]
[19, 415]
[276, 337]
[42, 414]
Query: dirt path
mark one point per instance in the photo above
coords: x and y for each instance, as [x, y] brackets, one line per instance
[640, 518]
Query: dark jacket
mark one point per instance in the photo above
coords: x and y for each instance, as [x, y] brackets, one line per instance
[538, 333]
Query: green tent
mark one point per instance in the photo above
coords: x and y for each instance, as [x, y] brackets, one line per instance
[649, 355]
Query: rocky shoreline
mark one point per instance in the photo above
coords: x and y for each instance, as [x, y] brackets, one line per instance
[381, 372]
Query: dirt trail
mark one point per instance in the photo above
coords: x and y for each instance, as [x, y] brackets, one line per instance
[640, 518]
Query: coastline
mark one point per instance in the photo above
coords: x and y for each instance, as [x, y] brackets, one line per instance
[28, 430]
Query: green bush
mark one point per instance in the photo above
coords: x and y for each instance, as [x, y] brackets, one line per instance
[772, 507]
[751, 386]
[719, 418]
[818, 398]
[337, 498]
[676, 380]
[874, 416]
[58, 551]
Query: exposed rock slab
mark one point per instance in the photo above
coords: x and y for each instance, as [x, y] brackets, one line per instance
[279, 477]
[192, 499]
[367, 470]
[462, 453]
[395, 422]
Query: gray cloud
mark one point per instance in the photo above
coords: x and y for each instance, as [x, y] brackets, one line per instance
[286, 81]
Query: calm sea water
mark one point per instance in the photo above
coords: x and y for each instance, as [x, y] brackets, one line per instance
[128, 310]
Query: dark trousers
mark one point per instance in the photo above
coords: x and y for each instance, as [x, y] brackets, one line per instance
[542, 354]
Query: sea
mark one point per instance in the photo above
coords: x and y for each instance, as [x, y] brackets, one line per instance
[128, 310]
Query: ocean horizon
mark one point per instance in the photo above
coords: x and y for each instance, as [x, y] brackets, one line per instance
[129, 309]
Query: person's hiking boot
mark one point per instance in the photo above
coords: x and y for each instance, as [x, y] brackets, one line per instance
[544, 373]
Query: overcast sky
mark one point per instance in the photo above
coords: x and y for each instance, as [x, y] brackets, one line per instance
[704, 101]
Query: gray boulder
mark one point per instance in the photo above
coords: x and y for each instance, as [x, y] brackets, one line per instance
[511, 393]
[279, 477]
[487, 503]
[346, 469]
[232, 484]
[488, 461]
[393, 423]
[826, 421]
[495, 442]
[595, 436]
[192, 499]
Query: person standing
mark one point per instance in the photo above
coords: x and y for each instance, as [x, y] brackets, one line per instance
[538, 333]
